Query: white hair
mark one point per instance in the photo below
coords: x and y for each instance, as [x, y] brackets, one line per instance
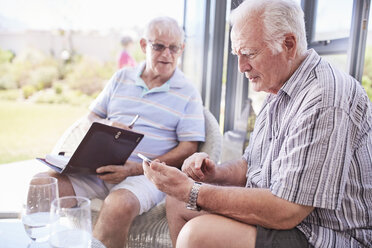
[279, 17]
[162, 25]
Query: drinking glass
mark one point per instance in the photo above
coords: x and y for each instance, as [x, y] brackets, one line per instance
[36, 211]
[71, 222]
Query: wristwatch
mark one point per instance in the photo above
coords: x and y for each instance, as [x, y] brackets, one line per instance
[191, 205]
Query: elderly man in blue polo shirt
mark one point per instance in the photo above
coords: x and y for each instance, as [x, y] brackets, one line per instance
[171, 118]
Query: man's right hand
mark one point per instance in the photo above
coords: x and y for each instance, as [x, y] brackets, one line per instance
[199, 167]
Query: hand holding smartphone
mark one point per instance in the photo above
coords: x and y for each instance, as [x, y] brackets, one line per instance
[144, 158]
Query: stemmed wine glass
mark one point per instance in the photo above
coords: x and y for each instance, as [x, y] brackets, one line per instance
[36, 211]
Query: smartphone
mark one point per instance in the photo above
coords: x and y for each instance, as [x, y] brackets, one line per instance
[144, 158]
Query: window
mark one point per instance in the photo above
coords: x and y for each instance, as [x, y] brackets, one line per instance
[367, 73]
[330, 24]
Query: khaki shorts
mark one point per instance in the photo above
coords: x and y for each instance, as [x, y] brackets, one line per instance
[91, 186]
[270, 238]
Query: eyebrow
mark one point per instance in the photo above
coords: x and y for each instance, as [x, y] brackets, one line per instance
[244, 51]
[155, 41]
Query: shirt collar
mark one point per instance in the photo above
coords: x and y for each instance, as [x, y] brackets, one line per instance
[292, 86]
[177, 80]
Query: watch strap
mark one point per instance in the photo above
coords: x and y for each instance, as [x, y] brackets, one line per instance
[191, 205]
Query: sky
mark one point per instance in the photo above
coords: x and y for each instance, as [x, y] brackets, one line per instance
[123, 15]
[86, 14]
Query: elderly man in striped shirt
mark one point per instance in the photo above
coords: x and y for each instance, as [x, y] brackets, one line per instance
[305, 179]
[171, 118]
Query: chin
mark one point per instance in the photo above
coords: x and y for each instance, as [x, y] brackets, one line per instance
[256, 86]
[166, 71]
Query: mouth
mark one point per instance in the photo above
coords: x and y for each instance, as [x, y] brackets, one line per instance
[164, 62]
[253, 78]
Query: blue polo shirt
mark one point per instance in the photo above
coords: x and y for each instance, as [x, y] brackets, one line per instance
[169, 114]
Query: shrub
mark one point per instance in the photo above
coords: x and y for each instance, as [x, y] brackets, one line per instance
[6, 79]
[28, 90]
[58, 87]
[43, 77]
[89, 76]
[6, 56]
[33, 67]
[367, 84]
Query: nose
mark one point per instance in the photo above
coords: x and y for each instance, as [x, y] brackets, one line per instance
[166, 51]
[244, 64]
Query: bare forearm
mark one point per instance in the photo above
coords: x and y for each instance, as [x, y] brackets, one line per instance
[176, 156]
[252, 206]
[231, 173]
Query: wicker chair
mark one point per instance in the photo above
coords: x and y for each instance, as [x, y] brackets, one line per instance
[149, 229]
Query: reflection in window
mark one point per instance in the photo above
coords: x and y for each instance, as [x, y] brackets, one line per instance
[330, 24]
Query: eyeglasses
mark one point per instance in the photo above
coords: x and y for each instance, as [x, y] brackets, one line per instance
[160, 47]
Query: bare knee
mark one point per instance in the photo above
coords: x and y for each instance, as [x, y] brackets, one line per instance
[121, 204]
[65, 187]
[193, 233]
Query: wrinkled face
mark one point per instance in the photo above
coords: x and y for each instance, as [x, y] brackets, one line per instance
[266, 71]
[162, 53]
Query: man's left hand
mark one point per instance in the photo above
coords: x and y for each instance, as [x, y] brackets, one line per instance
[115, 173]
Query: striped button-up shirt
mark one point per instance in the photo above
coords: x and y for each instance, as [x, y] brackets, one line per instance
[312, 145]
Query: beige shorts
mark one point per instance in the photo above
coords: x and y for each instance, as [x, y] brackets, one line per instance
[91, 186]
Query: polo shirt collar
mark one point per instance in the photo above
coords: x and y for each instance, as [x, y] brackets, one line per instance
[177, 80]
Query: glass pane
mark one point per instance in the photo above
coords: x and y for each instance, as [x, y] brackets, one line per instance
[367, 74]
[337, 60]
[193, 58]
[333, 19]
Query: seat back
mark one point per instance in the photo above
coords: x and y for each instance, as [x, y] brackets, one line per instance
[213, 137]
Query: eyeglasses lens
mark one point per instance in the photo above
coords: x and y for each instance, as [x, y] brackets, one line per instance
[160, 47]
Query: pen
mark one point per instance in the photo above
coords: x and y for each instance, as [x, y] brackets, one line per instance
[133, 121]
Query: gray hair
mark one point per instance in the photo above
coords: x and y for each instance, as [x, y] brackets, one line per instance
[279, 17]
[164, 24]
[126, 40]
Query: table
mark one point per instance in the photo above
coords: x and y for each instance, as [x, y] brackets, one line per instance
[13, 235]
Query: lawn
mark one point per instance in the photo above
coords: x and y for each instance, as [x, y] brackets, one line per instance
[29, 130]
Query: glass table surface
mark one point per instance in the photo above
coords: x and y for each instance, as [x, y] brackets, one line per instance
[13, 235]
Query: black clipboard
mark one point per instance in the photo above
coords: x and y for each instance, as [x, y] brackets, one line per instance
[101, 145]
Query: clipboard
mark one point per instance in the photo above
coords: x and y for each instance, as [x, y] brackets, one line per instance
[102, 145]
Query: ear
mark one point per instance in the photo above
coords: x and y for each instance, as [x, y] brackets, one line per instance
[182, 47]
[143, 44]
[290, 45]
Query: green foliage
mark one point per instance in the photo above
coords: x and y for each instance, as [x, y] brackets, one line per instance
[71, 97]
[6, 56]
[32, 71]
[28, 90]
[58, 87]
[10, 95]
[367, 74]
[43, 77]
[7, 82]
[88, 75]
[138, 54]
[367, 84]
